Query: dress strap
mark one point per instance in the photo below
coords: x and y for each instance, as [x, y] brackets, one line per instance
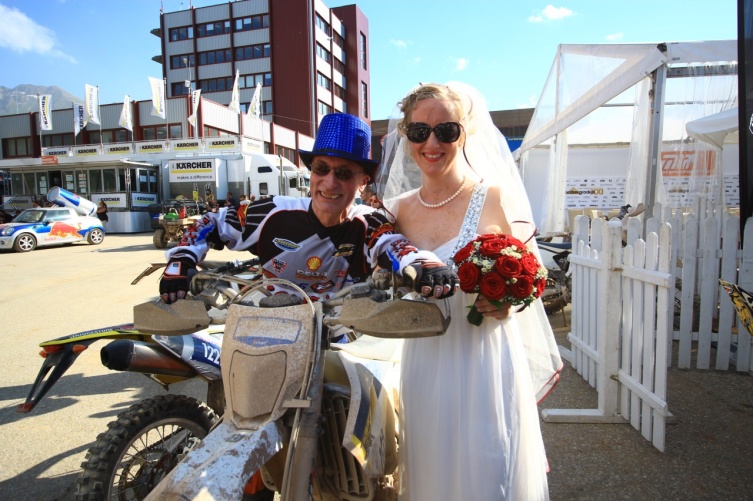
[469, 228]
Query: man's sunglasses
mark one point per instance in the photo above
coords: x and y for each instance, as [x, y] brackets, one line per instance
[448, 132]
[341, 173]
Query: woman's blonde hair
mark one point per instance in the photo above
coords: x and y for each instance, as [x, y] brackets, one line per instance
[434, 91]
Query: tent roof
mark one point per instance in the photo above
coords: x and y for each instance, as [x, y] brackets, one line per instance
[716, 129]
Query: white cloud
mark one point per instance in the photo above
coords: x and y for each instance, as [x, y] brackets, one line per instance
[615, 36]
[415, 60]
[461, 63]
[400, 44]
[550, 13]
[21, 34]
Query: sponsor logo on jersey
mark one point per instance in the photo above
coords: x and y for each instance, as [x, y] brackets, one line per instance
[323, 286]
[313, 263]
[382, 230]
[310, 275]
[341, 273]
[286, 245]
[279, 265]
[344, 250]
[268, 274]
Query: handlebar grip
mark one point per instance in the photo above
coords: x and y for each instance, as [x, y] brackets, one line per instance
[384, 279]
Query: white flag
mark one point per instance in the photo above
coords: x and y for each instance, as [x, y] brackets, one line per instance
[126, 120]
[158, 96]
[79, 118]
[45, 117]
[254, 108]
[235, 101]
[194, 106]
[92, 104]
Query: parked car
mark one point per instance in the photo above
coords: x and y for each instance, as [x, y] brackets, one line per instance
[49, 226]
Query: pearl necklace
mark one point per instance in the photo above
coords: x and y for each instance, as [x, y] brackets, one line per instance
[444, 202]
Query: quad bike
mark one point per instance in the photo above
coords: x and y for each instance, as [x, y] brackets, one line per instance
[174, 218]
[316, 423]
[168, 343]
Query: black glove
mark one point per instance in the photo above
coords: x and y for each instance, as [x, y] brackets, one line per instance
[175, 280]
[434, 279]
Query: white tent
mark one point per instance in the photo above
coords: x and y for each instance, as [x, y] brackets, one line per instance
[716, 129]
[640, 96]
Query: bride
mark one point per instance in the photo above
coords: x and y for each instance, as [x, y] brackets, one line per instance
[469, 423]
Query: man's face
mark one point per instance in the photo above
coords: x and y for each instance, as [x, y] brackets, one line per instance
[331, 192]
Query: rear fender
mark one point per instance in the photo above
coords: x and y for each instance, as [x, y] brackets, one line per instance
[63, 351]
[219, 467]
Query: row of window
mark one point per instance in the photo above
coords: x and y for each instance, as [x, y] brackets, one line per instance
[224, 83]
[327, 29]
[108, 180]
[221, 56]
[219, 27]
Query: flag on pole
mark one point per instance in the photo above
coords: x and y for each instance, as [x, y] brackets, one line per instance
[126, 120]
[235, 100]
[79, 118]
[45, 118]
[254, 108]
[158, 97]
[194, 106]
[92, 104]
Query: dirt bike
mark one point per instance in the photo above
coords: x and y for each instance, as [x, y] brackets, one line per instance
[169, 344]
[316, 422]
[557, 294]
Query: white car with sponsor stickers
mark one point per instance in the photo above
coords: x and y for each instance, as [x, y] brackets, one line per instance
[49, 226]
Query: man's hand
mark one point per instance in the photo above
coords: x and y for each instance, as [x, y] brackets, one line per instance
[175, 280]
[434, 279]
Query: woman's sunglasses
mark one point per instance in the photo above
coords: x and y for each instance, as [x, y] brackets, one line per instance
[341, 173]
[448, 132]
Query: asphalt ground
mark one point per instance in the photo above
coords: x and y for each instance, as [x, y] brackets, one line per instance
[53, 292]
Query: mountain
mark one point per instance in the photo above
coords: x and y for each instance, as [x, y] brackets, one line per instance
[23, 98]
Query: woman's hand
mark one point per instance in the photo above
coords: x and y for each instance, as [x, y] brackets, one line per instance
[487, 309]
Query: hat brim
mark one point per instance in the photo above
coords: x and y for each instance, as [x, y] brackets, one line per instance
[369, 166]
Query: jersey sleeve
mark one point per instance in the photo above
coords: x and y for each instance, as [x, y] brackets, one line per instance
[387, 248]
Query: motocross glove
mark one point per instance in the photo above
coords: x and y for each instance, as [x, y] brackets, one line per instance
[176, 279]
[434, 279]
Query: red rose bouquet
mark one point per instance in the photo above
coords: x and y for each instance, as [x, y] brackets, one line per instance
[502, 269]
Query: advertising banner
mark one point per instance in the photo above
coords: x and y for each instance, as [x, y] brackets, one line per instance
[84, 151]
[151, 147]
[45, 110]
[192, 170]
[118, 149]
[143, 200]
[158, 96]
[92, 104]
[224, 143]
[113, 200]
[185, 145]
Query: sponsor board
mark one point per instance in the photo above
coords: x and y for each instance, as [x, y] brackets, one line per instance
[55, 152]
[113, 200]
[249, 145]
[221, 143]
[185, 145]
[192, 170]
[118, 149]
[84, 151]
[143, 199]
[151, 147]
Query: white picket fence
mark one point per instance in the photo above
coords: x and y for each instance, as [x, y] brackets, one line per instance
[623, 309]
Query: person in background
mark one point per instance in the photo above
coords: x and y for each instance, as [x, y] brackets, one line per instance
[469, 424]
[102, 213]
[230, 201]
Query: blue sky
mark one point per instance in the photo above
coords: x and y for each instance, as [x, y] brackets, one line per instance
[503, 47]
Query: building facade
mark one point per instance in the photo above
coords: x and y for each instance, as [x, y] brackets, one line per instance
[310, 60]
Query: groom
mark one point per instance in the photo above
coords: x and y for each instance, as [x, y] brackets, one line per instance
[320, 243]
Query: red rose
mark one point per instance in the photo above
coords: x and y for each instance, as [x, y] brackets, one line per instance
[488, 236]
[469, 274]
[530, 264]
[540, 286]
[464, 253]
[492, 248]
[493, 286]
[507, 266]
[522, 288]
[514, 241]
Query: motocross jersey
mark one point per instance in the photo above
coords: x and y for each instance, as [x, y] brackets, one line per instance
[291, 243]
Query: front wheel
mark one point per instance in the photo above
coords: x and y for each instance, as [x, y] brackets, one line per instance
[25, 242]
[141, 446]
[95, 236]
[159, 239]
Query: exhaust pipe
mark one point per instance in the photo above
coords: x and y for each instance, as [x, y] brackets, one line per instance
[136, 356]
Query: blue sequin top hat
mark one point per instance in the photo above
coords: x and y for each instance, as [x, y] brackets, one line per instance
[345, 136]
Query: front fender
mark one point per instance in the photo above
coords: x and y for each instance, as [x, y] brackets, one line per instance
[219, 467]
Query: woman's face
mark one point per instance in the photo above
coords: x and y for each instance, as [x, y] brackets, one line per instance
[433, 156]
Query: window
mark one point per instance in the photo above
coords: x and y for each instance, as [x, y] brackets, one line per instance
[214, 56]
[339, 92]
[182, 33]
[338, 65]
[323, 53]
[57, 140]
[17, 147]
[107, 136]
[214, 132]
[158, 132]
[182, 61]
[213, 28]
[323, 81]
[103, 180]
[250, 81]
[324, 108]
[339, 40]
[253, 52]
[263, 189]
[286, 153]
[362, 50]
[323, 25]
[252, 23]
[216, 84]
[365, 99]
[266, 107]
[179, 89]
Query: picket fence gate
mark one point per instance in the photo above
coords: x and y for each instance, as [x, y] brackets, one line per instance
[625, 304]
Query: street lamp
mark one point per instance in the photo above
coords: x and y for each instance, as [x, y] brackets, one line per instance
[187, 62]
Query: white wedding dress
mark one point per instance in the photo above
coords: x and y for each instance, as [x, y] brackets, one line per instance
[469, 424]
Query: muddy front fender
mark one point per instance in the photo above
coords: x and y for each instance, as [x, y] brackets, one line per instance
[219, 467]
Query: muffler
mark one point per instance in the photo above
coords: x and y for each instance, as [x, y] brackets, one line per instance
[136, 356]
